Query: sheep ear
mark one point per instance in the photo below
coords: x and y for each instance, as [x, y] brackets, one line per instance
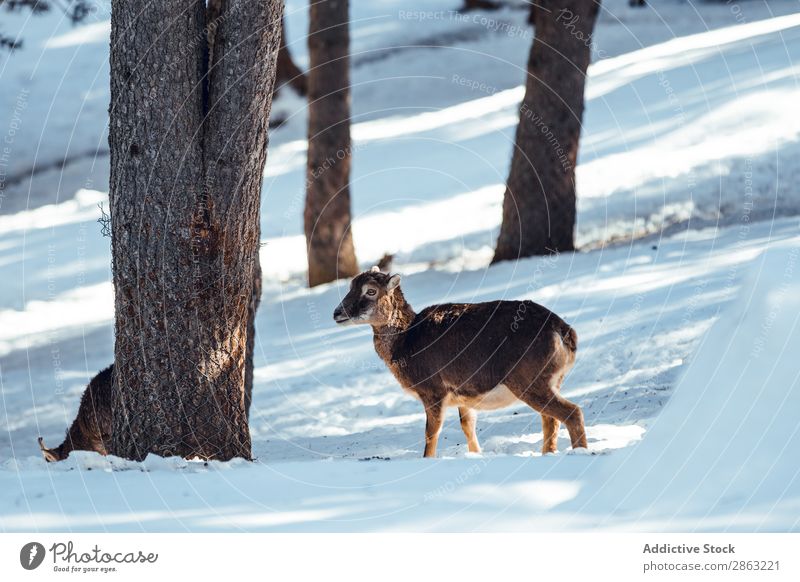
[394, 281]
[375, 269]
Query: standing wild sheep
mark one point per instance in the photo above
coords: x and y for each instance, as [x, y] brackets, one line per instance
[91, 429]
[476, 356]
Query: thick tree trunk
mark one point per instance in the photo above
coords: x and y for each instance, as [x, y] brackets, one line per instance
[188, 136]
[539, 202]
[215, 13]
[289, 73]
[327, 214]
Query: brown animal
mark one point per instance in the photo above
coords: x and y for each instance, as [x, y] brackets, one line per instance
[91, 429]
[476, 356]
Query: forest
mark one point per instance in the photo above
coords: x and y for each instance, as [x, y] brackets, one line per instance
[453, 265]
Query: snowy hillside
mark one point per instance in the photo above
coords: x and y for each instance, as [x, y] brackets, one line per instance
[721, 456]
[685, 370]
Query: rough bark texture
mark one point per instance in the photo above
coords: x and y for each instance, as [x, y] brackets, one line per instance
[215, 15]
[327, 214]
[188, 137]
[288, 72]
[539, 202]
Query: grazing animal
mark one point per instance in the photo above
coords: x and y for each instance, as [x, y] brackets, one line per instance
[91, 429]
[475, 356]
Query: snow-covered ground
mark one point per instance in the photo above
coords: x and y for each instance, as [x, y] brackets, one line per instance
[690, 143]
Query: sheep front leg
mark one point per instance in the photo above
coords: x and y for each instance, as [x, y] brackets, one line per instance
[433, 426]
[468, 420]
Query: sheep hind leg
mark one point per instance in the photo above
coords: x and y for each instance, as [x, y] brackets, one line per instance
[550, 430]
[543, 399]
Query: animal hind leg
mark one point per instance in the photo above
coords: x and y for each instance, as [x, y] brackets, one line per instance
[550, 429]
[543, 399]
[468, 420]
[569, 413]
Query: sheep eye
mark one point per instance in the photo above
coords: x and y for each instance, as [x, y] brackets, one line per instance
[371, 292]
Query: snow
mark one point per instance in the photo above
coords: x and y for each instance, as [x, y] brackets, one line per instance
[728, 436]
[685, 293]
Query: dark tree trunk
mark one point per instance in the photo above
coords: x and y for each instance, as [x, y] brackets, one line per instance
[255, 301]
[532, 14]
[188, 137]
[327, 214]
[289, 73]
[539, 202]
[470, 5]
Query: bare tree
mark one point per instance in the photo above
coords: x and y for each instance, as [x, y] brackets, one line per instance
[188, 137]
[539, 202]
[329, 238]
[288, 72]
[470, 5]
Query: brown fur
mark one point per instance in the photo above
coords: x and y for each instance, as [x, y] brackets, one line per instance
[457, 354]
[91, 429]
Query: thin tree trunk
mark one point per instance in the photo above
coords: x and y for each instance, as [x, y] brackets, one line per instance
[289, 73]
[255, 301]
[532, 13]
[470, 5]
[327, 214]
[188, 136]
[539, 202]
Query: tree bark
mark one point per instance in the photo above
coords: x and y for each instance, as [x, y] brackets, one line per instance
[539, 201]
[188, 137]
[214, 17]
[327, 213]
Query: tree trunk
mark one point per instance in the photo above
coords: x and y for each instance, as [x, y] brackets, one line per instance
[539, 202]
[188, 137]
[470, 5]
[532, 14]
[289, 73]
[327, 214]
[214, 16]
[255, 301]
